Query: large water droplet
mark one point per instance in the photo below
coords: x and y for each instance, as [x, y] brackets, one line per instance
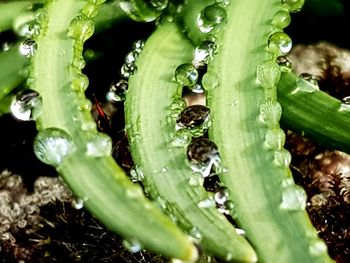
[132, 245]
[52, 145]
[210, 17]
[282, 158]
[192, 116]
[186, 75]
[81, 28]
[117, 91]
[293, 196]
[204, 53]
[317, 247]
[281, 19]
[26, 105]
[127, 70]
[280, 43]
[80, 82]
[270, 113]
[306, 83]
[99, 145]
[28, 47]
[293, 5]
[136, 174]
[284, 63]
[268, 74]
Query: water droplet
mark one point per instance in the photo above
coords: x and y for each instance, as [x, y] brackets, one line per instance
[284, 63]
[77, 203]
[138, 45]
[275, 139]
[80, 82]
[280, 43]
[196, 234]
[81, 28]
[117, 91]
[282, 158]
[281, 19]
[26, 105]
[181, 138]
[207, 203]
[194, 115]
[136, 174]
[127, 70]
[186, 75]
[204, 53]
[293, 196]
[228, 208]
[270, 113]
[159, 5]
[197, 88]
[345, 105]
[210, 17]
[28, 29]
[131, 56]
[132, 245]
[28, 47]
[99, 145]
[306, 83]
[79, 62]
[202, 150]
[223, 2]
[268, 74]
[240, 231]
[221, 196]
[317, 247]
[90, 10]
[210, 80]
[52, 145]
[293, 5]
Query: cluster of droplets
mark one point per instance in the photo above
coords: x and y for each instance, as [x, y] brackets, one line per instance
[118, 89]
[268, 74]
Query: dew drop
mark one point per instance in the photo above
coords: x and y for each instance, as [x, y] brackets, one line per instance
[131, 56]
[79, 62]
[223, 2]
[280, 43]
[282, 158]
[138, 46]
[210, 80]
[194, 115]
[117, 91]
[28, 47]
[27, 105]
[210, 17]
[317, 247]
[197, 88]
[270, 113]
[228, 208]
[159, 5]
[80, 82]
[99, 145]
[52, 145]
[28, 29]
[81, 28]
[127, 70]
[293, 196]
[275, 139]
[132, 245]
[186, 75]
[90, 10]
[306, 83]
[268, 74]
[136, 174]
[281, 19]
[294, 5]
[202, 150]
[284, 63]
[204, 53]
[181, 138]
[345, 105]
[77, 203]
[207, 203]
[195, 233]
[221, 196]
